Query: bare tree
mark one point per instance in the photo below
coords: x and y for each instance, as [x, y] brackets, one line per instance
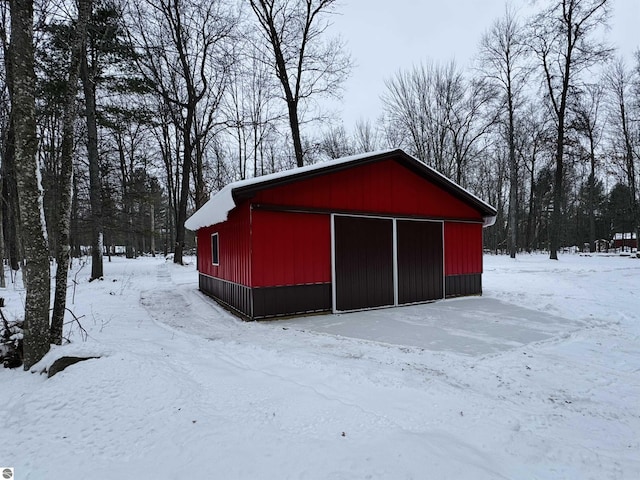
[66, 171]
[589, 125]
[438, 115]
[469, 121]
[246, 103]
[306, 65]
[184, 49]
[36, 250]
[561, 40]
[10, 208]
[99, 36]
[532, 145]
[417, 107]
[5, 122]
[625, 128]
[365, 136]
[335, 143]
[503, 55]
[410, 114]
[252, 107]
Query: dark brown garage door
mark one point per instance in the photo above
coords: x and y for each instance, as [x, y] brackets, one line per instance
[363, 262]
[420, 261]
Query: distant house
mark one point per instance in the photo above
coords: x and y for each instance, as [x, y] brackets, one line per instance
[367, 231]
[625, 241]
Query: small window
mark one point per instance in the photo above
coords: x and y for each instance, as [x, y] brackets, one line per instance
[215, 259]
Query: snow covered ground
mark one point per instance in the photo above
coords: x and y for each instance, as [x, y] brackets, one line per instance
[538, 379]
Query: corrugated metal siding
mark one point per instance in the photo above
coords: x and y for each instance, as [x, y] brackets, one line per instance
[238, 297]
[278, 301]
[380, 187]
[363, 262]
[460, 285]
[462, 248]
[233, 247]
[290, 248]
[420, 266]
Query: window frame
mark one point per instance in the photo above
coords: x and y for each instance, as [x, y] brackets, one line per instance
[215, 252]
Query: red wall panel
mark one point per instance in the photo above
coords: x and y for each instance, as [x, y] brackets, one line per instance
[380, 187]
[290, 248]
[233, 247]
[462, 248]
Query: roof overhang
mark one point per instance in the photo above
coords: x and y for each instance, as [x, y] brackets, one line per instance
[220, 204]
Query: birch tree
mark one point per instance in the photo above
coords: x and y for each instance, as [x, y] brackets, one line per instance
[36, 249]
[65, 187]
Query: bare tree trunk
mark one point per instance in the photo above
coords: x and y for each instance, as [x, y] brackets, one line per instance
[184, 195]
[200, 194]
[126, 199]
[513, 179]
[556, 215]
[631, 174]
[66, 175]
[74, 238]
[10, 196]
[152, 215]
[36, 249]
[95, 181]
[629, 157]
[3, 281]
[528, 232]
[192, 110]
[294, 122]
[560, 38]
[10, 209]
[591, 199]
[294, 32]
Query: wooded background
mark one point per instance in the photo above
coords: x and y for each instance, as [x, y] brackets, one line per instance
[179, 97]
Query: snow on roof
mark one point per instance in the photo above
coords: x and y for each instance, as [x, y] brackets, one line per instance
[222, 202]
[624, 236]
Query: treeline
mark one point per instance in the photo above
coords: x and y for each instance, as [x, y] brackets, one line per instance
[545, 125]
[184, 96]
[118, 119]
[171, 101]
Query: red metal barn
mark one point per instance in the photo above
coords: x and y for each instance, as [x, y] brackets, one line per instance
[625, 241]
[372, 230]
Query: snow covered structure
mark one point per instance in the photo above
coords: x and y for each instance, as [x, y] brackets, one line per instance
[626, 240]
[366, 231]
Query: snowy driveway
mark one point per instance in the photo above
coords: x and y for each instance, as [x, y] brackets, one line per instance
[469, 326]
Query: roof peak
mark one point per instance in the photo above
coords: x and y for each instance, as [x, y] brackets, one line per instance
[223, 201]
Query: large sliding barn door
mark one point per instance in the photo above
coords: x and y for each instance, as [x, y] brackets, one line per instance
[420, 261]
[363, 262]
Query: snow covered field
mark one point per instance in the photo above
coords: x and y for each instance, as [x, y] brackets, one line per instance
[538, 379]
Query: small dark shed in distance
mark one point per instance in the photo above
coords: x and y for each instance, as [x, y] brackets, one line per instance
[372, 230]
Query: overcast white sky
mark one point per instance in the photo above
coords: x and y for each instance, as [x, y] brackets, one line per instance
[384, 36]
